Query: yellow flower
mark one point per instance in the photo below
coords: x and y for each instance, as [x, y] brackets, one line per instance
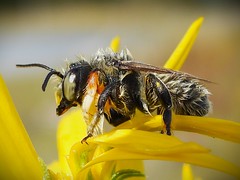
[116, 154]
[18, 158]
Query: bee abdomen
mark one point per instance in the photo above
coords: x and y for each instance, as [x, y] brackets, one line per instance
[189, 96]
[191, 99]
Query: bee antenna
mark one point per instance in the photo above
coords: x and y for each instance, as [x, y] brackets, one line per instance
[45, 82]
[52, 72]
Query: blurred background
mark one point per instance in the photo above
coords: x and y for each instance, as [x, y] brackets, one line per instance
[50, 32]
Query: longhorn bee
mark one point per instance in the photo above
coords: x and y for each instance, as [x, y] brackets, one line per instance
[113, 85]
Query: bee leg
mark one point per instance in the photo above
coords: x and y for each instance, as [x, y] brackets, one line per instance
[84, 140]
[101, 103]
[159, 110]
[167, 118]
[165, 99]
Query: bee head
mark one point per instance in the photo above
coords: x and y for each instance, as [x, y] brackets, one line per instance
[72, 86]
[72, 83]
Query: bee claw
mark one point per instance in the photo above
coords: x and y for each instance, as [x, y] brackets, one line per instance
[84, 140]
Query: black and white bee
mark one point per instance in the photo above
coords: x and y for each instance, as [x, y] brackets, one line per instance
[112, 86]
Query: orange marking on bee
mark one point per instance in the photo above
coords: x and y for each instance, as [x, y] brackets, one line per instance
[107, 106]
[100, 88]
[93, 80]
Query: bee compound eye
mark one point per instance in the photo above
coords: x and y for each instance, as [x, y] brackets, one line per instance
[69, 86]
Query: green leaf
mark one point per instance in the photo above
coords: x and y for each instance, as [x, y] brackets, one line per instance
[126, 173]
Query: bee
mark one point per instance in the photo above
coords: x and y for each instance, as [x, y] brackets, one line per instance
[113, 86]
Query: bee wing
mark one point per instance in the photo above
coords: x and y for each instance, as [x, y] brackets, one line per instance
[138, 66]
[133, 65]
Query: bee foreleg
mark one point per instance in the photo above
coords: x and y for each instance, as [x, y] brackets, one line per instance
[92, 129]
[164, 96]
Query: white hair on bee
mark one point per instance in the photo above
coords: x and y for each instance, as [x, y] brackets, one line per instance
[126, 55]
[108, 54]
[104, 55]
[103, 59]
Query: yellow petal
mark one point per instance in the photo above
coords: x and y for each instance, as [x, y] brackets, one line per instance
[18, 158]
[143, 141]
[180, 54]
[55, 167]
[187, 172]
[105, 169]
[139, 120]
[79, 156]
[219, 128]
[201, 159]
[115, 44]
[136, 144]
[55, 173]
[97, 170]
[71, 130]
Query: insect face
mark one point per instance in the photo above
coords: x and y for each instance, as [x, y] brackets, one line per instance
[71, 84]
[71, 87]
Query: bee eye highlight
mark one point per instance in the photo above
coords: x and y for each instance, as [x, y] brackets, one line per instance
[69, 86]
